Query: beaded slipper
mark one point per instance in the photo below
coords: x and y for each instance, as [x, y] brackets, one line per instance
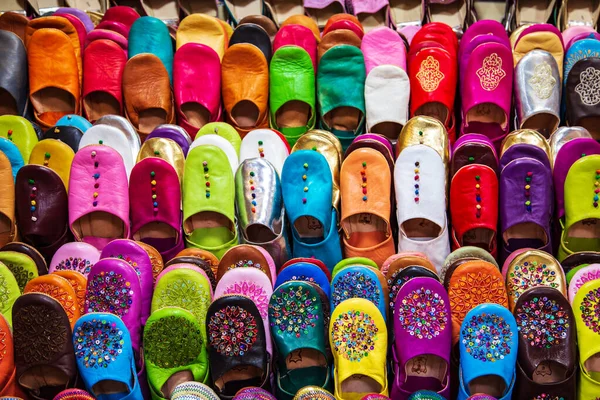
[585, 306]
[360, 282]
[76, 256]
[304, 271]
[74, 394]
[193, 391]
[313, 393]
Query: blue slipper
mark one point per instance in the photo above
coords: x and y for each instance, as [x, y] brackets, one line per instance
[362, 282]
[151, 35]
[304, 271]
[76, 121]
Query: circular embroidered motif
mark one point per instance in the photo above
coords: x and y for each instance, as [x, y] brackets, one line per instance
[293, 310]
[232, 331]
[356, 284]
[109, 292]
[487, 337]
[4, 293]
[423, 314]
[172, 342]
[75, 264]
[255, 292]
[21, 274]
[187, 294]
[98, 343]
[528, 275]
[542, 322]
[590, 310]
[354, 334]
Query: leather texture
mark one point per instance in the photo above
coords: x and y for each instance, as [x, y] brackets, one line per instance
[69, 135]
[13, 73]
[124, 126]
[151, 35]
[336, 38]
[115, 26]
[105, 34]
[7, 202]
[55, 155]
[78, 25]
[387, 89]
[253, 34]
[221, 143]
[29, 251]
[60, 290]
[12, 153]
[80, 15]
[15, 23]
[111, 137]
[473, 148]
[19, 131]
[74, 256]
[582, 106]
[267, 144]
[175, 133]
[165, 149]
[123, 14]
[540, 36]
[203, 29]
[383, 46]
[76, 121]
[297, 35]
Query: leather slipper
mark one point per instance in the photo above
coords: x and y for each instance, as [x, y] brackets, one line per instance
[79, 284]
[121, 123]
[55, 155]
[197, 90]
[73, 394]
[175, 133]
[19, 131]
[11, 151]
[165, 149]
[344, 21]
[246, 256]
[253, 393]
[70, 135]
[224, 130]
[8, 229]
[582, 98]
[123, 14]
[99, 202]
[150, 35]
[75, 256]
[30, 251]
[107, 35]
[353, 261]
[204, 30]
[76, 121]
[221, 143]
[21, 265]
[473, 148]
[197, 390]
[466, 253]
[335, 38]
[147, 93]
[540, 36]
[11, 293]
[584, 306]
[297, 35]
[397, 281]
[253, 34]
[60, 290]
[102, 92]
[313, 392]
[77, 25]
[307, 272]
[114, 26]
[587, 273]
[14, 22]
[383, 46]
[303, 20]
[267, 144]
[362, 283]
[13, 75]
[205, 264]
[156, 259]
[81, 16]
[10, 387]
[112, 137]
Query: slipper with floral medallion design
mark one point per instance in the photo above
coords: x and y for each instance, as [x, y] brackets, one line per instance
[360, 282]
[587, 318]
[20, 265]
[76, 256]
[193, 391]
[174, 351]
[73, 394]
[312, 260]
[313, 393]
[423, 339]
[547, 359]
[253, 393]
[403, 276]
[105, 358]
[297, 326]
[304, 271]
[236, 361]
[359, 340]
[587, 273]
[488, 352]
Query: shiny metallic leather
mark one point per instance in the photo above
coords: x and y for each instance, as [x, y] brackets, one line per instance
[564, 135]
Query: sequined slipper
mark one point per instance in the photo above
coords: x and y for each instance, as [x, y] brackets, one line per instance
[73, 394]
[313, 393]
[253, 393]
[76, 256]
[360, 282]
[193, 391]
[585, 308]
[304, 271]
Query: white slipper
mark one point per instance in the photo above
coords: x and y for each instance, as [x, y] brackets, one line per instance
[265, 143]
[221, 143]
[111, 137]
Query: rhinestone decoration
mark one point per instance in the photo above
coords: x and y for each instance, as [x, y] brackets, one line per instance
[243, 264]
[528, 275]
[293, 310]
[186, 294]
[528, 182]
[313, 393]
[423, 313]
[395, 285]
[253, 291]
[4, 293]
[253, 393]
[354, 334]
[363, 174]
[542, 322]
[487, 337]
[590, 310]
[109, 292]
[75, 264]
[193, 391]
[355, 284]
[417, 178]
[172, 342]
[98, 343]
[232, 331]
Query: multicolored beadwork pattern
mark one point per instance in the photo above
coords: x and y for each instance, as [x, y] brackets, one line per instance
[542, 322]
[363, 173]
[109, 292]
[75, 264]
[546, 396]
[487, 337]
[172, 342]
[354, 335]
[253, 189]
[244, 264]
[395, 285]
[184, 293]
[590, 310]
[21, 274]
[478, 196]
[253, 393]
[255, 292]
[294, 311]
[313, 393]
[74, 394]
[417, 176]
[96, 176]
[33, 199]
[232, 331]
[129, 261]
[528, 275]
[193, 390]
[98, 343]
[423, 313]
[355, 284]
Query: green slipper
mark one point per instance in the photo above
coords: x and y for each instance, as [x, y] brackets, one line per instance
[292, 92]
[341, 92]
[582, 208]
[173, 348]
[19, 131]
[224, 130]
[353, 261]
[9, 292]
[21, 266]
[208, 201]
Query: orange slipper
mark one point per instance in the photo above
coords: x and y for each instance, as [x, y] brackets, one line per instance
[60, 290]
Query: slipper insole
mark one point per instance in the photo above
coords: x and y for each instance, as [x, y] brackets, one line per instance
[245, 114]
[479, 237]
[8, 105]
[527, 234]
[492, 385]
[99, 104]
[435, 110]
[359, 384]
[365, 230]
[493, 10]
[99, 224]
[244, 8]
[305, 367]
[425, 372]
[309, 227]
[110, 390]
[452, 14]
[322, 15]
[42, 376]
[421, 228]
[549, 372]
[176, 379]
[151, 118]
[371, 21]
[158, 235]
[282, 10]
[486, 113]
[584, 235]
[533, 11]
[344, 118]
[544, 123]
[195, 114]
[592, 365]
[238, 378]
[53, 99]
[405, 11]
[200, 6]
[293, 114]
[390, 130]
[259, 233]
[592, 124]
[162, 9]
[582, 11]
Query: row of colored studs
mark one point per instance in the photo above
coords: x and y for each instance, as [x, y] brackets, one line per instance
[154, 195]
[420, 137]
[597, 188]
[304, 177]
[478, 196]
[47, 159]
[33, 202]
[417, 180]
[363, 172]
[253, 188]
[96, 176]
[206, 178]
[528, 180]
[261, 149]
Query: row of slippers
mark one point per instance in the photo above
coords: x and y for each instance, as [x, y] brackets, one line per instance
[242, 293]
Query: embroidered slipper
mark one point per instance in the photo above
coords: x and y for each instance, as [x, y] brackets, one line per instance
[10, 292]
[466, 253]
[401, 277]
[251, 283]
[44, 356]
[307, 195]
[114, 287]
[547, 349]
[300, 36]
[127, 128]
[253, 393]
[342, 111]
[313, 393]
[581, 96]
[19, 131]
[132, 253]
[423, 338]
[470, 284]
[174, 350]
[579, 50]
[111, 137]
[585, 274]
[208, 225]
[303, 271]
[104, 357]
[584, 306]
[198, 264]
[75, 256]
[297, 325]
[60, 290]
[99, 201]
[353, 261]
[360, 282]
[241, 360]
[155, 196]
[474, 208]
[79, 284]
[473, 148]
[244, 255]
[575, 262]
[55, 155]
[359, 359]
[488, 352]
[193, 391]
[73, 394]
[21, 266]
[205, 30]
[201, 258]
[581, 207]
[540, 36]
